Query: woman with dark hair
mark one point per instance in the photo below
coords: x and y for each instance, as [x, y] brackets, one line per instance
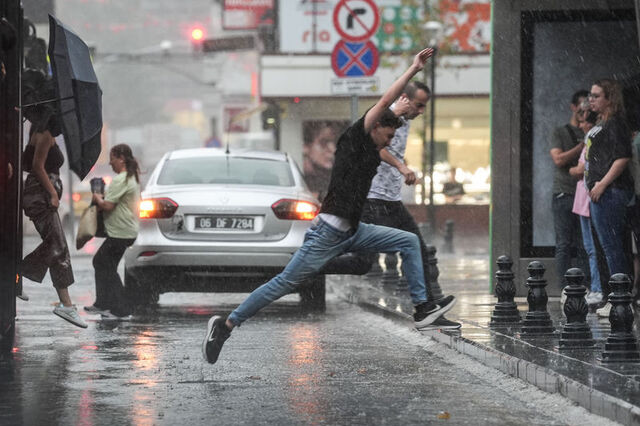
[607, 177]
[120, 211]
[43, 158]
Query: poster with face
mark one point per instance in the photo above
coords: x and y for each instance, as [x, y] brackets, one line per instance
[320, 138]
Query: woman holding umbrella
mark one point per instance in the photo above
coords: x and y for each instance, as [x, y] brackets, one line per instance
[41, 198]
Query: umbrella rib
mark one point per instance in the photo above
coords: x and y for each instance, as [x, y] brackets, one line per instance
[46, 102]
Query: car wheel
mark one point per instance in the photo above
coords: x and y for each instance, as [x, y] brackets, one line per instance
[313, 294]
[140, 294]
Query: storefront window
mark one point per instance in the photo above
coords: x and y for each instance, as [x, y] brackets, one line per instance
[462, 172]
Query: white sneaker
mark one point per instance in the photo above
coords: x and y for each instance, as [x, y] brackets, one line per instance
[604, 311]
[69, 313]
[563, 299]
[594, 297]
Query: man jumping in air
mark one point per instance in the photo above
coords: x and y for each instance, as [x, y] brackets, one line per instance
[338, 229]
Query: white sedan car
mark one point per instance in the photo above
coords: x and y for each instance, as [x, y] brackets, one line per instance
[212, 221]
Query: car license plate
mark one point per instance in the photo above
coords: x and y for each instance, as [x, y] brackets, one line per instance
[224, 222]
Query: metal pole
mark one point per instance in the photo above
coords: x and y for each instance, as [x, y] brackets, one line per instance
[637, 4]
[423, 188]
[354, 108]
[72, 216]
[432, 144]
[314, 27]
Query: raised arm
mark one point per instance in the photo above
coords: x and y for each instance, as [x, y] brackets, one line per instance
[409, 175]
[396, 89]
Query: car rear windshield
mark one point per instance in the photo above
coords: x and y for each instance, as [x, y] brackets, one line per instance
[225, 170]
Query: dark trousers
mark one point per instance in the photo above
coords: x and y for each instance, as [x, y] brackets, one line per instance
[394, 215]
[109, 287]
[568, 238]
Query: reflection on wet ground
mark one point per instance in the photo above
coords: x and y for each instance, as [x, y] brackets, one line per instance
[468, 279]
[125, 372]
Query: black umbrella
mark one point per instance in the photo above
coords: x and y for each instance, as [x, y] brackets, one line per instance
[78, 97]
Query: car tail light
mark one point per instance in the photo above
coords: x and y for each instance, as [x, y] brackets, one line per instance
[157, 208]
[295, 209]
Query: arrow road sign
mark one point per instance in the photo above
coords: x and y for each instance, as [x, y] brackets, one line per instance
[354, 59]
[356, 20]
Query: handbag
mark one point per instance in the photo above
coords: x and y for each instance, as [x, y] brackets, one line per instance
[91, 225]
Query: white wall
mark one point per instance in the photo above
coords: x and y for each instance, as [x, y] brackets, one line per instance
[289, 75]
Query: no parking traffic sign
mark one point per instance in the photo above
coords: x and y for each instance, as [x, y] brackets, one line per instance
[354, 59]
[356, 20]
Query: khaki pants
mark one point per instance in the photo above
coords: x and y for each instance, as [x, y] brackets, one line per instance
[53, 253]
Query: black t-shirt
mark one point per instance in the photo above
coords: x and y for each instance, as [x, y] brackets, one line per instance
[318, 181]
[565, 138]
[52, 164]
[452, 189]
[356, 163]
[606, 143]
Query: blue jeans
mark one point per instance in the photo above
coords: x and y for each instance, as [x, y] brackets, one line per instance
[568, 238]
[590, 248]
[322, 243]
[608, 216]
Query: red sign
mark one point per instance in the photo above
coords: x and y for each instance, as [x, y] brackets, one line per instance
[240, 126]
[354, 59]
[247, 14]
[356, 20]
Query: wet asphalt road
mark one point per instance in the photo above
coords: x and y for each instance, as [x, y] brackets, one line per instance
[283, 367]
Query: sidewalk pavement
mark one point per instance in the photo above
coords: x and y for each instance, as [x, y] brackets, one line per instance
[612, 391]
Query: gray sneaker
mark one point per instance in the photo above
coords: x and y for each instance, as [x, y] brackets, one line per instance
[442, 323]
[93, 309]
[69, 313]
[108, 315]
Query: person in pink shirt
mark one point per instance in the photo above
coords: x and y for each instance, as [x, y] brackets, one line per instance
[581, 208]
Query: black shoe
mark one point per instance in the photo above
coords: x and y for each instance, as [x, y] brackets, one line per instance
[217, 334]
[428, 312]
[442, 323]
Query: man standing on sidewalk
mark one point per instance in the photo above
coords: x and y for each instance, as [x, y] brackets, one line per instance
[338, 229]
[384, 202]
[566, 146]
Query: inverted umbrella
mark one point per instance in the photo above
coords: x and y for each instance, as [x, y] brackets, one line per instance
[78, 96]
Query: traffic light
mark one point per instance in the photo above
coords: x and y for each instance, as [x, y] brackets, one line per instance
[197, 35]
[271, 116]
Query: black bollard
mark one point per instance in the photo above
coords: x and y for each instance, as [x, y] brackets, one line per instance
[448, 236]
[403, 285]
[621, 345]
[435, 291]
[506, 310]
[376, 271]
[537, 321]
[576, 332]
[391, 275]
